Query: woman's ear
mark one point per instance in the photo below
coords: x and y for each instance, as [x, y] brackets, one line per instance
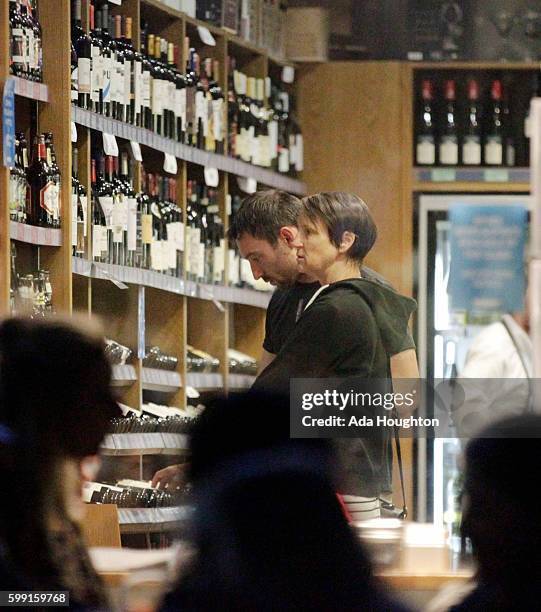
[348, 238]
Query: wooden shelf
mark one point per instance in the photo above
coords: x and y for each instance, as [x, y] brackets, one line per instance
[135, 444]
[151, 520]
[240, 381]
[474, 65]
[164, 381]
[205, 380]
[31, 89]
[32, 234]
[476, 179]
[123, 375]
[184, 152]
[156, 280]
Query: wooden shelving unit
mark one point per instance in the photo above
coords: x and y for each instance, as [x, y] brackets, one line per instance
[137, 307]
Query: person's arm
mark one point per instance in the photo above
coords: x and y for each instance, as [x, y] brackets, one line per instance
[323, 344]
[265, 360]
[171, 477]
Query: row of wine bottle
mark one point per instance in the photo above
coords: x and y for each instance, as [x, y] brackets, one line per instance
[147, 88]
[146, 229]
[465, 130]
[25, 36]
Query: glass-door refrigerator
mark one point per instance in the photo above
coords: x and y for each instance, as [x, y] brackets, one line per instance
[443, 339]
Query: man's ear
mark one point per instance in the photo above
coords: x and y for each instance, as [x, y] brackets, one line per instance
[288, 233]
[348, 238]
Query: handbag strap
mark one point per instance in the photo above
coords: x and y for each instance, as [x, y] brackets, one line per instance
[404, 512]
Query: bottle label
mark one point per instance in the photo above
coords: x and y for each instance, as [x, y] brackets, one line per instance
[132, 224]
[74, 84]
[104, 241]
[233, 267]
[299, 158]
[157, 94]
[471, 151]
[493, 151]
[138, 86]
[106, 203]
[128, 93]
[96, 243]
[201, 261]
[156, 256]
[47, 198]
[264, 151]
[426, 151]
[510, 158]
[171, 253]
[17, 46]
[283, 160]
[273, 139]
[449, 151]
[527, 126]
[84, 205]
[217, 116]
[145, 89]
[106, 73]
[74, 202]
[83, 75]
[146, 229]
[180, 232]
[181, 106]
[219, 263]
[188, 249]
[199, 105]
[117, 219]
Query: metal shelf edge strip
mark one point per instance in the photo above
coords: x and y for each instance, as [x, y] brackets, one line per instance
[31, 89]
[184, 152]
[148, 278]
[32, 234]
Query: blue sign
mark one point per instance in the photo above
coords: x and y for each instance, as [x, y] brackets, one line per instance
[487, 257]
[8, 123]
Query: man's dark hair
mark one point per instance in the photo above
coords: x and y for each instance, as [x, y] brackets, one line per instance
[263, 213]
[343, 212]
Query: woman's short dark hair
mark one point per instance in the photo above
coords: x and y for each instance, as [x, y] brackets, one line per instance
[343, 212]
[263, 213]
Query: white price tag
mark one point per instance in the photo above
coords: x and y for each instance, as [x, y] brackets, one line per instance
[110, 145]
[247, 184]
[212, 178]
[118, 2]
[288, 74]
[206, 36]
[73, 132]
[170, 163]
[136, 151]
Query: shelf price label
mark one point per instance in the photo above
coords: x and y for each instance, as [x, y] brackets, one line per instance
[247, 184]
[212, 178]
[206, 36]
[73, 132]
[496, 175]
[288, 74]
[136, 151]
[110, 145]
[170, 163]
[8, 122]
[443, 175]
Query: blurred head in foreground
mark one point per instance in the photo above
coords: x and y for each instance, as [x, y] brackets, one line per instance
[55, 407]
[500, 516]
[269, 530]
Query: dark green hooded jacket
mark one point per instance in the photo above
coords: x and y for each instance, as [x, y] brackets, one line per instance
[351, 329]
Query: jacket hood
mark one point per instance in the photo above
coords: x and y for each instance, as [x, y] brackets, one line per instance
[391, 310]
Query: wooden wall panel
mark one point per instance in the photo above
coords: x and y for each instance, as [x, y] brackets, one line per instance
[353, 116]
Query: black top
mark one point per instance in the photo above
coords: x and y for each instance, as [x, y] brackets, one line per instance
[351, 329]
[286, 306]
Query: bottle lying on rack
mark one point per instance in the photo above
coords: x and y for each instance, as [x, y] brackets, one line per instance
[205, 256]
[128, 494]
[200, 361]
[240, 363]
[26, 52]
[31, 295]
[156, 358]
[117, 353]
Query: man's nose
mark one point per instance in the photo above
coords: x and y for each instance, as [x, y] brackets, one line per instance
[256, 270]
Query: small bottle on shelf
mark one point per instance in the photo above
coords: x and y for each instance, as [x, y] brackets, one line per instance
[493, 149]
[425, 146]
[471, 145]
[448, 145]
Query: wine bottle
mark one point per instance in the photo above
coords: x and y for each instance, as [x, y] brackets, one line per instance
[471, 146]
[42, 205]
[426, 136]
[448, 146]
[493, 149]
